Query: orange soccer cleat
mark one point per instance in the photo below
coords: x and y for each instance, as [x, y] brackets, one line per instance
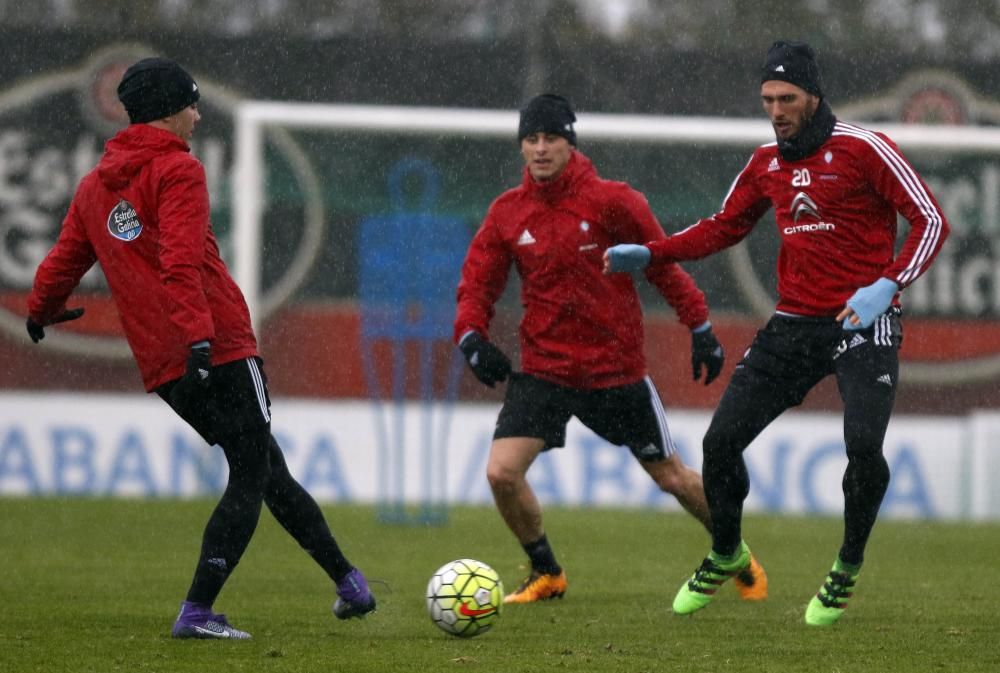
[752, 581]
[538, 587]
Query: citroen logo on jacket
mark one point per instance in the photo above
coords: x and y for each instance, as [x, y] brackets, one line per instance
[803, 205]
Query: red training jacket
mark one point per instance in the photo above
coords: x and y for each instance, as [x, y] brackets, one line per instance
[836, 213]
[143, 213]
[580, 328]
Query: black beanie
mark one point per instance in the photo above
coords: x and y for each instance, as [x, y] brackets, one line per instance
[795, 63]
[154, 88]
[547, 113]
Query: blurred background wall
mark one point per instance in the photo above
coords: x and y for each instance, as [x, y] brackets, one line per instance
[882, 61]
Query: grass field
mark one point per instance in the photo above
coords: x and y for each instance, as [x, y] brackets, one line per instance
[93, 585]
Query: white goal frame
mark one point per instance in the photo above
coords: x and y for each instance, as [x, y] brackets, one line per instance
[255, 118]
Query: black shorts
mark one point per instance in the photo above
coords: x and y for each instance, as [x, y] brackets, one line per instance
[630, 415]
[235, 403]
[788, 357]
[795, 353]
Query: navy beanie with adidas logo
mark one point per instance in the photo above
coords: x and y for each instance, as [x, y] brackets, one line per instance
[795, 63]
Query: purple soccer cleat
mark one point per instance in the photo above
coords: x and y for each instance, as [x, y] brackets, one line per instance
[353, 596]
[198, 621]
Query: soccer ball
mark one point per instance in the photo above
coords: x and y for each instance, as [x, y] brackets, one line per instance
[464, 597]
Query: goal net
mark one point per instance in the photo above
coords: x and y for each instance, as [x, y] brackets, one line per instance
[379, 204]
[466, 157]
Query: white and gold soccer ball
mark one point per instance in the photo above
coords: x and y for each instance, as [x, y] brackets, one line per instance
[464, 597]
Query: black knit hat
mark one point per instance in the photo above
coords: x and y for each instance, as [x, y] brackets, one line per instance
[547, 113]
[795, 63]
[154, 88]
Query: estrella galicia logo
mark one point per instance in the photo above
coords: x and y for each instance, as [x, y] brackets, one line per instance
[123, 222]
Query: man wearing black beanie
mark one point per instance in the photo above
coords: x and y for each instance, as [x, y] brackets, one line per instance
[156, 88]
[836, 189]
[581, 334]
[143, 214]
[793, 62]
[547, 113]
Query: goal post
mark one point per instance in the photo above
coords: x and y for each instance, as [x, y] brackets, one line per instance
[254, 118]
[410, 438]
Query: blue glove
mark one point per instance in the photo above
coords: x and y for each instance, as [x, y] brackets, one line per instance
[626, 257]
[869, 302]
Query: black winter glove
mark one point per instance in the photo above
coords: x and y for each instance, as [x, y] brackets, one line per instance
[37, 331]
[706, 350]
[486, 361]
[196, 378]
[199, 365]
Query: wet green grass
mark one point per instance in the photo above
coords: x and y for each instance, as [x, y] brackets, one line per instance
[93, 585]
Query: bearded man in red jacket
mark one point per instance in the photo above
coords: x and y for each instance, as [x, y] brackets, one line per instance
[581, 333]
[836, 189]
[143, 215]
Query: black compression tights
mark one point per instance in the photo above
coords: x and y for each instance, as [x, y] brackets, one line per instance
[745, 410]
[298, 513]
[257, 475]
[727, 485]
[866, 417]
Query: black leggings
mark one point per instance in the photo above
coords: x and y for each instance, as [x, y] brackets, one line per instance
[234, 412]
[258, 474]
[787, 359]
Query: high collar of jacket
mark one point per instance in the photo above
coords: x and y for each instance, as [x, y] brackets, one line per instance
[578, 170]
[812, 136]
[132, 148]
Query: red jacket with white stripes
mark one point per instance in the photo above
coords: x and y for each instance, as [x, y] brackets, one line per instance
[580, 328]
[143, 214]
[836, 214]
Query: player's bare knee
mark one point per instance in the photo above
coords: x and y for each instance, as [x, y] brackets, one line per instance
[502, 479]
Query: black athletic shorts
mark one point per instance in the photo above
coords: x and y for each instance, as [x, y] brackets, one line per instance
[235, 403]
[630, 415]
[795, 353]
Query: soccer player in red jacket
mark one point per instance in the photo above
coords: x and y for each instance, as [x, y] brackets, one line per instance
[143, 215]
[836, 189]
[581, 333]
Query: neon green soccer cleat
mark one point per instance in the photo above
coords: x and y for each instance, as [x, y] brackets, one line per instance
[829, 603]
[699, 591]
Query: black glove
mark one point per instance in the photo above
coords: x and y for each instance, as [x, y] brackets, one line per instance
[37, 331]
[486, 361]
[199, 365]
[706, 350]
[196, 378]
